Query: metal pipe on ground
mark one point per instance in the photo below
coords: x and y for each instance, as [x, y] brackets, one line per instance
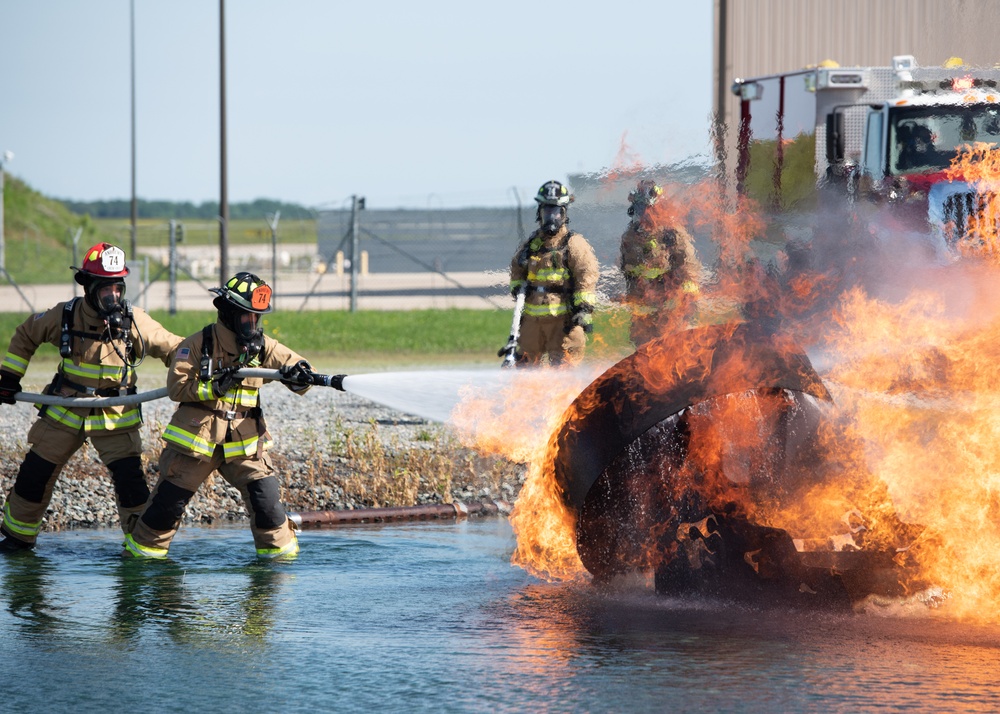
[426, 512]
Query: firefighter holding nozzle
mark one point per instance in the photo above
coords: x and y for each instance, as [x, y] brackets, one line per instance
[557, 270]
[661, 268]
[218, 424]
[101, 339]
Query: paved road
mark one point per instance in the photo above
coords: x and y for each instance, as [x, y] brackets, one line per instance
[301, 291]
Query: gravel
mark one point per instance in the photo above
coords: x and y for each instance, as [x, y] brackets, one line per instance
[316, 469]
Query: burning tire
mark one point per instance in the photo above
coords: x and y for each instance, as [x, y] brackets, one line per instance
[681, 458]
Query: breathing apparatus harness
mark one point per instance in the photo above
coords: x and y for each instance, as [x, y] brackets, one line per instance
[533, 248]
[118, 324]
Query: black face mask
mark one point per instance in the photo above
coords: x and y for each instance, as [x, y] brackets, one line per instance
[249, 332]
[108, 298]
[552, 218]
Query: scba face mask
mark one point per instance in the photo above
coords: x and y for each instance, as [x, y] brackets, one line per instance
[552, 218]
[108, 298]
[249, 332]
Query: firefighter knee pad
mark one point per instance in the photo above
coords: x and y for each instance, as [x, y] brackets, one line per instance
[266, 503]
[33, 477]
[167, 507]
[130, 481]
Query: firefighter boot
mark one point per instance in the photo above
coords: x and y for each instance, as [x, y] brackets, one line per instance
[131, 490]
[272, 531]
[26, 502]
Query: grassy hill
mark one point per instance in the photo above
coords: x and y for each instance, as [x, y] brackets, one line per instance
[39, 230]
[38, 234]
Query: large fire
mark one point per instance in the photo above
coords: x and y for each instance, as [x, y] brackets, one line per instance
[910, 462]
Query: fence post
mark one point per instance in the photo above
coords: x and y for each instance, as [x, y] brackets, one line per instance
[273, 223]
[173, 266]
[357, 203]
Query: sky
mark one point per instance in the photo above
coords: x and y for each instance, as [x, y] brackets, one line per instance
[439, 103]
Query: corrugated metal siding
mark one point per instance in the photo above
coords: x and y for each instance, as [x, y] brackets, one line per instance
[770, 36]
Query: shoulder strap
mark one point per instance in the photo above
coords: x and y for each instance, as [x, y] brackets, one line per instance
[66, 336]
[207, 345]
[207, 341]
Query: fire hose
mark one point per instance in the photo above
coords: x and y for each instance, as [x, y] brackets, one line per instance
[322, 380]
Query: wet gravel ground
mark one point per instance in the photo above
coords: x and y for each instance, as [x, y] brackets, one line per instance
[332, 450]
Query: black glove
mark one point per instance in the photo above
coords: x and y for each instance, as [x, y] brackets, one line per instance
[583, 319]
[337, 381]
[10, 384]
[297, 374]
[223, 381]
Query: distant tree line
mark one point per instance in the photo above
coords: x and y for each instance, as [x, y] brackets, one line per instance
[208, 210]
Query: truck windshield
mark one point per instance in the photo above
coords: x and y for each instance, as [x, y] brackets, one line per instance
[926, 139]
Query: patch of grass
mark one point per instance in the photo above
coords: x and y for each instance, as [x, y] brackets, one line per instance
[395, 472]
[378, 339]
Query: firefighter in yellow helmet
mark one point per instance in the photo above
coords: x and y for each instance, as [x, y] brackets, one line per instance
[219, 424]
[661, 268]
[558, 271]
[101, 339]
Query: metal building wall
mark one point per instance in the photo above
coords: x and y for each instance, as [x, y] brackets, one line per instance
[770, 36]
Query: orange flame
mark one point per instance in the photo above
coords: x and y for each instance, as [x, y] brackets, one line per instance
[915, 447]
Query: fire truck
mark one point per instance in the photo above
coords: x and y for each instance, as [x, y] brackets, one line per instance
[883, 135]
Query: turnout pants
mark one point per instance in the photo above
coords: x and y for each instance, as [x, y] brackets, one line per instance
[180, 477]
[546, 335]
[51, 448]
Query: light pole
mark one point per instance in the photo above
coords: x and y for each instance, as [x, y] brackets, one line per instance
[134, 213]
[7, 157]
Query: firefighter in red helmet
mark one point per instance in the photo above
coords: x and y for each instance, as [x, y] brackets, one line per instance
[101, 340]
[558, 271]
[219, 424]
[660, 265]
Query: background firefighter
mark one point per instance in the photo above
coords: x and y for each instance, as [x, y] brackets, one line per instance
[558, 270]
[101, 339]
[218, 423]
[661, 268]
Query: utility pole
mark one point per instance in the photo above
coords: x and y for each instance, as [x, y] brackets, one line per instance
[133, 255]
[7, 156]
[272, 222]
[224, 189]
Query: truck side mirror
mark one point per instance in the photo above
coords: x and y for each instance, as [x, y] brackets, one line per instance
[835, 138]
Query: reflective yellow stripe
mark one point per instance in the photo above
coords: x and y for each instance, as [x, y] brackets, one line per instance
[101, 421]
[204, 392]
[63, 416]
[142, 551]
[584, 297]
[85, 370]
[555, 309]
[646, 273]
[13, 363]
[290, 549]
[19, 527]
[244, 396]
[188, 440]
[517, 284]
[548, 275]
[247, 447]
